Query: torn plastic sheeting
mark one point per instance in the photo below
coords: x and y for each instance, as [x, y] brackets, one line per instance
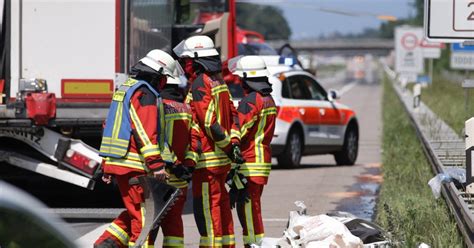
[318, 231]
[325, 231]
[449, 175]
[337, 229]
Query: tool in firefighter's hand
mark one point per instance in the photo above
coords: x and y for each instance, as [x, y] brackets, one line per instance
[236, 155]
[238, 186]
[180, 171]
[159, 197]
[238, 195]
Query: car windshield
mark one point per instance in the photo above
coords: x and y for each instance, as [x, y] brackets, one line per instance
[256, 49]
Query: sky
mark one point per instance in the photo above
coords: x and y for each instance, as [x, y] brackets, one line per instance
[307, 22]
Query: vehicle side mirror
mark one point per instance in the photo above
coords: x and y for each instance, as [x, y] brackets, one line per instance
[333, 95]
[24, 222]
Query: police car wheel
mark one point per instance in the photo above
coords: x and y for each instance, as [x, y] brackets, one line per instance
[348, 154]
[291, 156]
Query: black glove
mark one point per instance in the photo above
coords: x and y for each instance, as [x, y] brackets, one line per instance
[243, 196]
[236, 155]
[233, 196]
[237, 182]
[182, 172]
[238, 196]
[230, 176]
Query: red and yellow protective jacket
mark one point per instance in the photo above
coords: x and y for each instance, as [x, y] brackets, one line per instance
[144, 152]
[216, 124]
[177, 131]
[257, 115]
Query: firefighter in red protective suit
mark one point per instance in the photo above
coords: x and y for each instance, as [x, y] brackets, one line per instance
[257, 115]
[177, 132]
[214, 140]
[132, 142]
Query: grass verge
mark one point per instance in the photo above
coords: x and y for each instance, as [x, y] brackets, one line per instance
[406, 208]
[447, 100]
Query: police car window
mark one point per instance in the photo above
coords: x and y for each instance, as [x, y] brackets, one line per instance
[298, 89]
[285, 91]
[315, 90]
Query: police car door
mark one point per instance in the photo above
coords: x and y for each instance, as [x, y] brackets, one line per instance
[298, 97]
[331, 127]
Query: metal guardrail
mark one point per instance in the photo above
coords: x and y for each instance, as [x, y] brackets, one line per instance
[444, 149]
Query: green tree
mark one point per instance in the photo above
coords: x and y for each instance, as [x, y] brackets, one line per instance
[419, 6]
[265, 19]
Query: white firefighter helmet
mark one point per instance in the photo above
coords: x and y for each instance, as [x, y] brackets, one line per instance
[248, 67]
[160, 61]
[199, 45]
[179, 77]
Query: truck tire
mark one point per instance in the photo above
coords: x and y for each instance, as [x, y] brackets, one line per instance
[291, 156]
[348, 154]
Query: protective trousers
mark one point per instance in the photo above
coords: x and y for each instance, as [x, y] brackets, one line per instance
[172, 227]
[129, 224]
[212, 209]
[117, 234]
[250, 215]
[172, 224]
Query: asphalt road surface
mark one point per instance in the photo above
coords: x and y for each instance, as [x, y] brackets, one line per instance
[323, 186]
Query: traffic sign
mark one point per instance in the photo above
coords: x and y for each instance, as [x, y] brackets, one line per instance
[462, 61]
[462, 56]
[459, 47]
[409, 56]
[449, 20]
[431, 50]
[468, 83]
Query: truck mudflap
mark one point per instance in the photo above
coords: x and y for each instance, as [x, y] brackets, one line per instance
[77, 162]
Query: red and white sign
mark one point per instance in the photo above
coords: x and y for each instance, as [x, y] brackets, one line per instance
[409, 41]
[431, 50]
[409, 54]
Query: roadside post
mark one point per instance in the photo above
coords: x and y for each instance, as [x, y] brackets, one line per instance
[404, 83]
[469, 126]
[416, 95]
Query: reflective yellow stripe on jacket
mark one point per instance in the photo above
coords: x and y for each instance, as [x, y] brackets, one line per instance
[212, 159]
[256, 169]
[131, 160]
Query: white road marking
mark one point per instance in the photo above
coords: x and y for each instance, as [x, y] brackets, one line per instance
[347, 87]
[275, 220]
[88, 239]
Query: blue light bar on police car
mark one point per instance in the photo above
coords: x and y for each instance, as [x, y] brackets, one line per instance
[288, 61]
